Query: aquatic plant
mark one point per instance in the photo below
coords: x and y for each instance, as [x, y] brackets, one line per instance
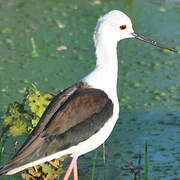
[14, 120]
[37, 103]
[146, 162]
[34, 52]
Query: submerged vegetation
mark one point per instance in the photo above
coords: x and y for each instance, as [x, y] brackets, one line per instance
[21, 118]
[146, 161]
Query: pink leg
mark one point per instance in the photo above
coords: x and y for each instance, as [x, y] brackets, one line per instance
[75, 171]
[71, 167]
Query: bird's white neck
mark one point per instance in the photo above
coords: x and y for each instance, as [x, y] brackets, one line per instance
[104, 76]
[106, 62]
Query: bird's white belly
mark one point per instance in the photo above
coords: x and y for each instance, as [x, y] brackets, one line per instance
[97, 139]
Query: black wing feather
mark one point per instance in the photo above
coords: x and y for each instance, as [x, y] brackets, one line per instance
[72, 117]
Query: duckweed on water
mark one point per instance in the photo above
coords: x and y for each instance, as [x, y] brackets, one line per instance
[165, 51]
[136, 85]
[124, 99]
[6, 30]
[171, 88]
[157, 95]
[156, 65]
[142, 63]
[128, 107]
[9, 42]
[162, 94]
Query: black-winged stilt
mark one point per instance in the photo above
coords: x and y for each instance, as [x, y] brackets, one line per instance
[80, 118]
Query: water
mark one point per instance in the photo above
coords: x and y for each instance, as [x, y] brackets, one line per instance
[148, 84]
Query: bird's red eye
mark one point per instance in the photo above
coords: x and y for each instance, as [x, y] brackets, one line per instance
[122, 27]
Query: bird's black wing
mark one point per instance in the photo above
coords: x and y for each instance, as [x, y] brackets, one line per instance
[73, 116]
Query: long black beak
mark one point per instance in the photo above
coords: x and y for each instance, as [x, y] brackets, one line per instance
[154, 43]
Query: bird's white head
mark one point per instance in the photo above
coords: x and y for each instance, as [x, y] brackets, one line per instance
[113, 26]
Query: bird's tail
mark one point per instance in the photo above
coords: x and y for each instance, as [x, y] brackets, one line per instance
[4, 169]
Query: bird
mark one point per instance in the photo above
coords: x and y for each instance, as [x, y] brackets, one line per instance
[81, 117]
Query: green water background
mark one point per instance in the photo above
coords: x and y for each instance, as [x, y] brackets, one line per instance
[148, 85]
